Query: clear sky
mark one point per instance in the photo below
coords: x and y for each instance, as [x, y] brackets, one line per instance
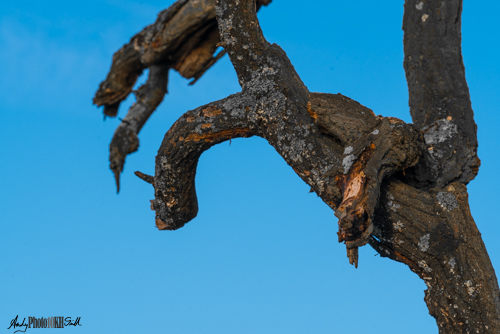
[262, 255]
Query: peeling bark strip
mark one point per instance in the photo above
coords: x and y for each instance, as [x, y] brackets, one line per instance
[391, 147]
[399, 187]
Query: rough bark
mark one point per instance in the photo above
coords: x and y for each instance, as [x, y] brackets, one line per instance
[434, 233]
[399, 187]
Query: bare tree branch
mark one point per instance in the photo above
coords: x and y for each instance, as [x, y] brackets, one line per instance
[274, 104]
[439, 97]
[398, 186]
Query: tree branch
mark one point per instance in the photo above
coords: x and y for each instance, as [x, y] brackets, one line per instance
[397, 186]
[195, 132]
[439, 97]
[274, 104]
[185, 35]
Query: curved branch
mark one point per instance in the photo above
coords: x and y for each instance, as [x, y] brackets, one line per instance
[273, 118]
[439, 97]
[314, 153]
[195, 132]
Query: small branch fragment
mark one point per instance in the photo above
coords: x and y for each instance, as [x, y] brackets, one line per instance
[125, 139]
[148, 178]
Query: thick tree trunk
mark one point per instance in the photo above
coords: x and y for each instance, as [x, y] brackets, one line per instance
[399, 187]
[434, 234]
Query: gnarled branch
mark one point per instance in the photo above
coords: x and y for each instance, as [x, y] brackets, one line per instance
[398, 186]
[274, 104]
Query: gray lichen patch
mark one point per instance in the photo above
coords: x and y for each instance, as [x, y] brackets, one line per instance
[439, 132]
[423, 245]
[447, 200]
[347, 162]
[391, 205]
[397, 226]
[348, 150]
[452, 264]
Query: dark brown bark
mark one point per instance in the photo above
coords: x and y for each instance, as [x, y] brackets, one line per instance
[399, 187]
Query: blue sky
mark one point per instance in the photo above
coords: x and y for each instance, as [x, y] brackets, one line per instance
[262, 255]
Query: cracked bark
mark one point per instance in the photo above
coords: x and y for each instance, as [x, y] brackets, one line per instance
[399, 187]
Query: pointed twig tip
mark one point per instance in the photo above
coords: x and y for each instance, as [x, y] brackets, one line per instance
[145, 177]
[117, 180]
